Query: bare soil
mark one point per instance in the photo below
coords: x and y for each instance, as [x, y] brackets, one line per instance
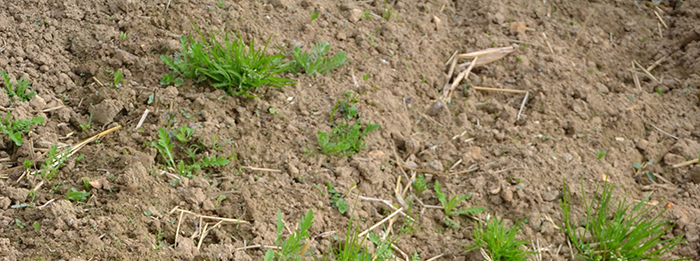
[573, 59]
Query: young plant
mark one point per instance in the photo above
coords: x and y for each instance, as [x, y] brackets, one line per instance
[316, 61]
[314, 15]
[449, 206]
[354, 250]
[183, 135]
[228, 64]
[499, 241]
[118, 78]
[15, 128]
[337, 200]
[420, 184]
[87, 125]
[292, 247]
[20, 89]
[614, 231]
[76, 195]
[53, 162]
[345, 140]
[388, 11]
[346, 106]
[601, 153]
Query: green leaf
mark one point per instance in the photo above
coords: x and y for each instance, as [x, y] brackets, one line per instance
[440, 195]
[637, 166]
[76, 195]
[342, 205]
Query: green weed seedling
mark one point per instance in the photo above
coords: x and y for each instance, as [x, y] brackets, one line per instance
[344, 139]
[354, 250]
[76, 195]
[292, 247]
[499, 241]
[449, 206]
[420, 184]
[346, 106]
[55, 159]
[118, 78]
[316, 61]
[87, 125]
[601, 153]
[20, 89]
[337, 200]
[228, 64]
[15, 128]
[616, 230]
[183, 137]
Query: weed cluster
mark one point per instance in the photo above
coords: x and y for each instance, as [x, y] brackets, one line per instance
[345, 139]
[613, 231]
[296, 245]
[183, 139]
[240, 68]
[499, 240]
[228, 64]
[15, 128]
[20, 89]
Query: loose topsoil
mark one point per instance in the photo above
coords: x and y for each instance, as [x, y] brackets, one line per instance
[573, 57]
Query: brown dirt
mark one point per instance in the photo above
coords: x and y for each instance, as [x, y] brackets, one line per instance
[582, 99]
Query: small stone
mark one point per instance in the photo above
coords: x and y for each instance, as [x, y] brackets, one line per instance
[280, 3]
[37, 103]
[673, 159]
[435, 108]
[105, 111]
[353, 15]
[341, 36]
[436, 165]
[602, 88]
[170, 45]
[550, 195]
[498, 18]
[507, 194]
[518, 27]
[695, 174]
[293, 170]
[17, 194]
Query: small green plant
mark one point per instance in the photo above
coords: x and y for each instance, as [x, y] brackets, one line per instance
[354, 250]
[499, 241]
[337, 200]
[53, 162]
[36, 226]
[123, 35]
[221, 4]
[228, 64]
[76, 195]
[420, 184]
[19, 89]
[601, 153]
[159, 240]
[15, 128]
[346, 106]
[183, 137]
[659, 91]
[388, 11]
[87, 125]
[20, 224]
[345, 140]
[449, 206]
[219, 200]
[613, 230]
[365, 14]
[86, 183]
[118, 78]
[316, 61]
[292, 247]
[314, 15]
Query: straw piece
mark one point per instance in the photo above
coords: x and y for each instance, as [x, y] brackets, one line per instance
[522, 105]
[143, 118]
[380, 222]
[660, 19]
[686, 163]
[645, 71]
[498, 90]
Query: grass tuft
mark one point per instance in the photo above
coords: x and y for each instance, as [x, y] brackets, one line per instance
[228, 64]
[15, 128]
[499, 241]
[614, 231]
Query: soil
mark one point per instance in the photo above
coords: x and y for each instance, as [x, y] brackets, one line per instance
[573, 57]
